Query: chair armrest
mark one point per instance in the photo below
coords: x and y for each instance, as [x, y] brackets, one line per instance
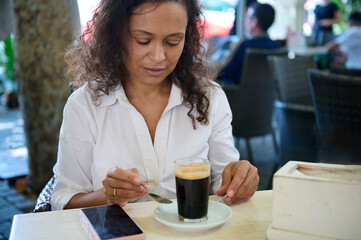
[43, 203]
[294, 106]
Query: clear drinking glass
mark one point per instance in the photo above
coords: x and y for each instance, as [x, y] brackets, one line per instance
[192, 177]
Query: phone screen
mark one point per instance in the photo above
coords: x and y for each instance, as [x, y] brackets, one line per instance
[111, 222]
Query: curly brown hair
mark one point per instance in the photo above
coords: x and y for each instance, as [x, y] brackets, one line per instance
[100, 54]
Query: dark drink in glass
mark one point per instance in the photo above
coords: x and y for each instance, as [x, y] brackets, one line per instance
[192, 185]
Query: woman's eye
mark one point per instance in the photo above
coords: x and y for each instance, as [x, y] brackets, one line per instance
[173, 43]
[143, 42]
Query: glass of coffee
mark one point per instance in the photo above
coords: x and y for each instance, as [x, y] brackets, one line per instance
[192, 177]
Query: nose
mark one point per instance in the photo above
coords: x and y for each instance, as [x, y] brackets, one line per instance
[157, 53]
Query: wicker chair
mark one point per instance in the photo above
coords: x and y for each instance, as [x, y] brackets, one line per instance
[296, 133]
[294, 108]
[291, 78]
[337, 102]
[297, 136]
[43, 202]
[252, 100]
[345, 71]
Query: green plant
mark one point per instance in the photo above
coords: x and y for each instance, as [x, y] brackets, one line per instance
[355, 5]
[342, 26]
[7, 62]
[345, 7]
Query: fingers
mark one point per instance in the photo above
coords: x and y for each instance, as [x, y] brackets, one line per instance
[121, 186]
[249, 184]
[244, 181]
[226, 179]
[124, 175]
[122, 196]
[238, 178]
[124, 180]
[116, 183]
[123, 190]
[134, 170]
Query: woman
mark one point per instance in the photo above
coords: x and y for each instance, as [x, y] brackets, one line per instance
[327, 14]
[143, 105]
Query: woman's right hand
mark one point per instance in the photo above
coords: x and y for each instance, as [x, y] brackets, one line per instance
[122, 186]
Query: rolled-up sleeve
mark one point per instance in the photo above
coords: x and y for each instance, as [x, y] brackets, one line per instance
[75, 153]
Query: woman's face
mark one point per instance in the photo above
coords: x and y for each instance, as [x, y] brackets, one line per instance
[157, 41]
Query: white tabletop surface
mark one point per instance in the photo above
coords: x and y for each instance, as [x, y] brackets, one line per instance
[304, 50]
[250, 220]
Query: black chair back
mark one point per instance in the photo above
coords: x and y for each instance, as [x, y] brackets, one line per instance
[345, 71]
[291, 78]
[252, 100]
[337, 101]
[294, 108]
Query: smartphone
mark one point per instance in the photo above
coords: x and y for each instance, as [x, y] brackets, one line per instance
[110, 222]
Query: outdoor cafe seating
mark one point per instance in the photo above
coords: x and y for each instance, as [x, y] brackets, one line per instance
[294, 108]
[252, 100]
[337, 103]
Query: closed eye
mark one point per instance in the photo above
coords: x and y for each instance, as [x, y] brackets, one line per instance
[143, 42]
[173, 43]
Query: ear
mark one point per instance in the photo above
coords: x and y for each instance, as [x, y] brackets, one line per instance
[253, 24]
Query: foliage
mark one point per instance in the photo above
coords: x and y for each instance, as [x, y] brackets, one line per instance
[7, 60]
[345, 7]
[341, 27]
[7, 64]
[355, 5]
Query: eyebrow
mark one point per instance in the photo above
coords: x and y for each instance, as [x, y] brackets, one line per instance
[151, 34]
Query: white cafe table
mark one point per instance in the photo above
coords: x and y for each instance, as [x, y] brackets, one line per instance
[305, 51]
[250, 220]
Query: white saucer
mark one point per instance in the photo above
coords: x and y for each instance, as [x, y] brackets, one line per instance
[218, 213]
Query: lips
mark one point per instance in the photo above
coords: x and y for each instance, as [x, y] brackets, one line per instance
[154, 71]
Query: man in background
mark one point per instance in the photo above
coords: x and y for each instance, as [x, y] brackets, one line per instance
[258, 19]
[349, 43]
[238, 6]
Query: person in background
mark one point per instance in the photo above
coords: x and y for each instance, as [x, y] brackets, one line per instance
[145, 102]
[326, 14]
[259, 17]
[349, 43]
[240, 2]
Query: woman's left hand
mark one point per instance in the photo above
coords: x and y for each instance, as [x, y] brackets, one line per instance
[239, 180]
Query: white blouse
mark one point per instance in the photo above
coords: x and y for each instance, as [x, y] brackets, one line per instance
[94, 138]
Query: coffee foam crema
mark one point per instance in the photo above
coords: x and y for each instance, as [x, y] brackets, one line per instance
[193, 171]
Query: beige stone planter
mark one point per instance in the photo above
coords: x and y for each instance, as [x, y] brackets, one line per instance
[316, 201]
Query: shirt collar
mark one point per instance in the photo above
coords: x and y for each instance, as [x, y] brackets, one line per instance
[175, 98]
[113, 96]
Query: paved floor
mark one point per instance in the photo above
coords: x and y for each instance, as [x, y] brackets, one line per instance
[11, 203]
[13, 163]
[13, 152]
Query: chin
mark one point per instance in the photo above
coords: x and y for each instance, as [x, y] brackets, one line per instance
[155, 80]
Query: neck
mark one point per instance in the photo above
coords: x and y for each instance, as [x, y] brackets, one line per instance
[257, 32]
[141, 91]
